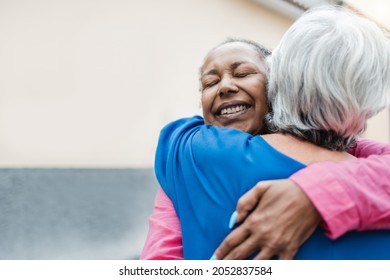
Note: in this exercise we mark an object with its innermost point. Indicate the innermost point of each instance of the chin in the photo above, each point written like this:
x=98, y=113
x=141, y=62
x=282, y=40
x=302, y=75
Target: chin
x=244, y=129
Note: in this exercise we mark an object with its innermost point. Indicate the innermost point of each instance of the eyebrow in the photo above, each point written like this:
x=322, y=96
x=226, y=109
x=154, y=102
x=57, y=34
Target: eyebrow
x=236, y=64
x=211, y=72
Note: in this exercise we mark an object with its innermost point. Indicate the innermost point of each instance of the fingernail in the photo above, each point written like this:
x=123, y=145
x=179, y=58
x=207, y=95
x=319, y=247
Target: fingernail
x=233, y=220
x=213, y=258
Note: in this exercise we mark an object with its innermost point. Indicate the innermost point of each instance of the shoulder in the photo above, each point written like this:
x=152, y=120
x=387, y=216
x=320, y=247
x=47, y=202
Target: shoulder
x=195, y=132
x=192, y=138
x=183, y=125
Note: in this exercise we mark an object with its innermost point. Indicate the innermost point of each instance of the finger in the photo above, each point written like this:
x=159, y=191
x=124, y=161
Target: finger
x=235, y=238
x=243, y=250
x=266, y=253
x=287, y=254
x=250, y=199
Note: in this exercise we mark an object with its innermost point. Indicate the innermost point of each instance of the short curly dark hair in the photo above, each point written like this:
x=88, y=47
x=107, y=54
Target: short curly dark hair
x=260, y=49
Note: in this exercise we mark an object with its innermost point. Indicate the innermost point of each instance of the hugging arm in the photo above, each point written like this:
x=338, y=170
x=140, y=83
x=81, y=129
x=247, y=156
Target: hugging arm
x=370, y=165
x=352, y=195
x=164, y=241
x=276, y=219
x=186, y=146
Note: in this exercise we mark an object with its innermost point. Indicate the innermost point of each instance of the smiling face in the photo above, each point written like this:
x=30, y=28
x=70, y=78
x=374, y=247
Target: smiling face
x=233, y=88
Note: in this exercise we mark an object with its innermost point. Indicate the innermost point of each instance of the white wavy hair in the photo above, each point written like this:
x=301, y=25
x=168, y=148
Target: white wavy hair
x=328, y=75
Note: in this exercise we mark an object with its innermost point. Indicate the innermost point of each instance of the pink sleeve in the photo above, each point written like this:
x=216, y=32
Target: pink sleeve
x=366, y=148
x=354, y=194
x=164, y=240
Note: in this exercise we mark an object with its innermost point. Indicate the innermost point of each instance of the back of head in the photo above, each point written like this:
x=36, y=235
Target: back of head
x=328, y=75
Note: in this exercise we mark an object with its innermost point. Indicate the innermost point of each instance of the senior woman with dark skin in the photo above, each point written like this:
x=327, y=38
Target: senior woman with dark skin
x=223, y=113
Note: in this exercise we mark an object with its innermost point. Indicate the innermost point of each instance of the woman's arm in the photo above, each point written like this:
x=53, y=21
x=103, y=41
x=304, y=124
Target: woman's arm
x=352, y=195
x=366, y=147
x=164, y=241
x=349, y=195
x=374, y=164
x=202, y=152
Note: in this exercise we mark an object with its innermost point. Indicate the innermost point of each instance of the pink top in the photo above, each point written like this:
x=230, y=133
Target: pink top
x=358, y=198
x=358, y=192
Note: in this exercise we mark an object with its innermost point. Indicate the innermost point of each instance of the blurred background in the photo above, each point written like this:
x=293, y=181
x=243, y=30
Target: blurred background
x=86, y=86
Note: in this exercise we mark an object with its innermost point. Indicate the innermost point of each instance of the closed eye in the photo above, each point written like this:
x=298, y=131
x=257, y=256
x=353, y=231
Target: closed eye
x=243, y=74
x=210, y=84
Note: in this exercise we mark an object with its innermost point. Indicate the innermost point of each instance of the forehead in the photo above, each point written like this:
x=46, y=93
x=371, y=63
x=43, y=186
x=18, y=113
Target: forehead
x=233, y=52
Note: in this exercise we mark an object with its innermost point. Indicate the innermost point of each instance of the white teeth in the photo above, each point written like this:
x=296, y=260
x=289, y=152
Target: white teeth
x=232, y=110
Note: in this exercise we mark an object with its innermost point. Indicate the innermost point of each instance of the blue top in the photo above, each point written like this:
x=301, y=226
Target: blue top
x=204, y=170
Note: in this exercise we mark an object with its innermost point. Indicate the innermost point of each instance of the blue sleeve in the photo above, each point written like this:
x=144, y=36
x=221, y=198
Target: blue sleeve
x=190, y=150
x=188, y=145
x=173, y=137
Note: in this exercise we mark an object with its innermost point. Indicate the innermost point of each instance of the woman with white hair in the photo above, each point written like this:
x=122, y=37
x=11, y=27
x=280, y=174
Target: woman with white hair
x=328, y=75
x=201, y=166
x=324, y=81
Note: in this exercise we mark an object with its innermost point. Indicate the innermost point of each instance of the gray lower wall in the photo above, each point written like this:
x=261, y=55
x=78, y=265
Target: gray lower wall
x=74, y=213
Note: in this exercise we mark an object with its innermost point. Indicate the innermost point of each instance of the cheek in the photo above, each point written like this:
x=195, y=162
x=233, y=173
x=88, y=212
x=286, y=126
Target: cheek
x=203, y=103
x=206, y=102
x=261, y=106
x=206, y=108
x=261, y=100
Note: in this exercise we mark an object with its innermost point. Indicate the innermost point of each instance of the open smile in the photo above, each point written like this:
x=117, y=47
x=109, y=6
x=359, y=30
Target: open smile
x=232, y=110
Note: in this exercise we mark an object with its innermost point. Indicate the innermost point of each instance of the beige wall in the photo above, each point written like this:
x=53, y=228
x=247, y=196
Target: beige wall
x=91, y=82
x=378, y=127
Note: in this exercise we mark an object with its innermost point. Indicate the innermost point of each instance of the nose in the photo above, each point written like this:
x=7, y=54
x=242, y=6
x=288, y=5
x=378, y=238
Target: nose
x=227, y=86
